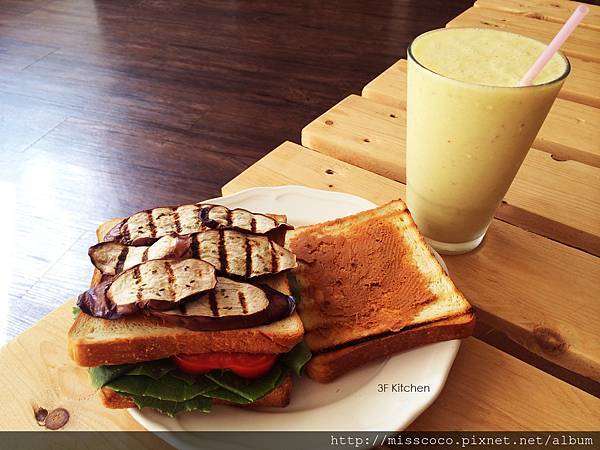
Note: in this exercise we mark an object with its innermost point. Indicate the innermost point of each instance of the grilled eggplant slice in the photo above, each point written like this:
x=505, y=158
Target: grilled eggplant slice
x=162, y=283
x=230, y=305
x=222, y=218
x=112, y=258
x=146, y=227
x=241, y=254
x=231, y=252
x=158, y=284
x=94, y=302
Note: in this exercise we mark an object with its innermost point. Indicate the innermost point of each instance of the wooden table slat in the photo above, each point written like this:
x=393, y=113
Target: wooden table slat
x=583, y=83
x=558, y=199
x=581, y=143
x=583, y=43
x=548, y=10
x=520, y=283
x=488, y=390
x=582, y=140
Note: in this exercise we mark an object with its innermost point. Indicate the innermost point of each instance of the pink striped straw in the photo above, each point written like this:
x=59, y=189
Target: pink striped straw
x=556, y=43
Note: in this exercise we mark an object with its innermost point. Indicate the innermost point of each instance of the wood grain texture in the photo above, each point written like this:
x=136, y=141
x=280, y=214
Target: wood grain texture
x=110, y=107
x=521, y=283
x=389, y=87
x=582, y=43
x=583, y=83
x=550, y=10
x=364, y=133
x=487, y=401
x=583, y=138
x=558, y=199
x=37, y=372
x=581, y=143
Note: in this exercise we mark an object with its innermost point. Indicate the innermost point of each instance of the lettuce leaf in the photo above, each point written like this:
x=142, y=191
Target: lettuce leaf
x=165, y=388
x=249, y=389
x=297, y=358
x=224, y=394
x=170, y=408
x=153, y=369
x=102, y=375
x=189, y=378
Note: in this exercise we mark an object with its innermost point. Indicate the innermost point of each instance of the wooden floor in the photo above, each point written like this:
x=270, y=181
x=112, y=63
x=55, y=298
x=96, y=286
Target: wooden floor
x=107, y=108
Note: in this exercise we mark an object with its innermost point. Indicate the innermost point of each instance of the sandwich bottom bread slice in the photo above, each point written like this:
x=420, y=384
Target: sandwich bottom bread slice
x=139, y=361
x=369, y=286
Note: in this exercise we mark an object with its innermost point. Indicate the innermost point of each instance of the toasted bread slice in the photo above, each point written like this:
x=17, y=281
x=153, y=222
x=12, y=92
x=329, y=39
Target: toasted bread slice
x=326, y=367
x=365, y=281
x=94, y=342
x=279, y=397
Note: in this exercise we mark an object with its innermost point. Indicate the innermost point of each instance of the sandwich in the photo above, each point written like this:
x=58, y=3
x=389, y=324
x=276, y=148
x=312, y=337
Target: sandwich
x=197, y=305
x=190, y=306
x=370, y=286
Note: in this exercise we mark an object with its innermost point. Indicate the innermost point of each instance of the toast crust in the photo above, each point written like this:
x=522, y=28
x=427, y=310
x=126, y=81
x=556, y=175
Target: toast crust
x=326, y=367
x=138, y=339
x=279, y=397
x=279, y=337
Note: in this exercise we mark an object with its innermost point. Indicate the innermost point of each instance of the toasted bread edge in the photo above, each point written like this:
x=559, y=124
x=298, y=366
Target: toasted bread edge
x=328, y=366
x=147, y=348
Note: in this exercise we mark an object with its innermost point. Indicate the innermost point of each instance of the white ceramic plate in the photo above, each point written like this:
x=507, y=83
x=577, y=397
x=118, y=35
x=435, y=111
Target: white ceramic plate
x=353, y=401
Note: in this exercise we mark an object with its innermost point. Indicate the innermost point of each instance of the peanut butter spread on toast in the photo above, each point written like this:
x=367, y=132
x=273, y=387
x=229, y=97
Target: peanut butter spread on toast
x=359, y=282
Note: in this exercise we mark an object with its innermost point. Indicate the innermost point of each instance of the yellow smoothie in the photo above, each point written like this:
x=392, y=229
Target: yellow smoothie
x=469, y=127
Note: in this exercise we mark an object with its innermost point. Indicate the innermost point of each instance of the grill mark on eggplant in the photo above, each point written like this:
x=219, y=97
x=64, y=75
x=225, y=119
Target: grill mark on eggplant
x=170, y=279
x=177, y=220
x=248, y=245
x=195, y=247
x=223, y=252
x=151, y=224
x=204, y=212
x=125, y=232
x=274, y=259
x=278, y=307
x=212, y=300
x=121, y=260
x=137, y=276
x=253, y=225
x=243, y=304
x=145, y=255
x=228, y=217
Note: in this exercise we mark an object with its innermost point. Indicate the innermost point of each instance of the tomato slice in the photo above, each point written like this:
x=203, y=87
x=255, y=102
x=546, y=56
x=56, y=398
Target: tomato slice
x=247, y=365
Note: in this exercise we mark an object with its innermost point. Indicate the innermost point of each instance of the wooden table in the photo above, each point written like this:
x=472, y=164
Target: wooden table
x=534, y=362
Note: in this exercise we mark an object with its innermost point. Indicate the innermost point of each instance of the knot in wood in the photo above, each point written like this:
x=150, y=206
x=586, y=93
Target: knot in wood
x=549, y=340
